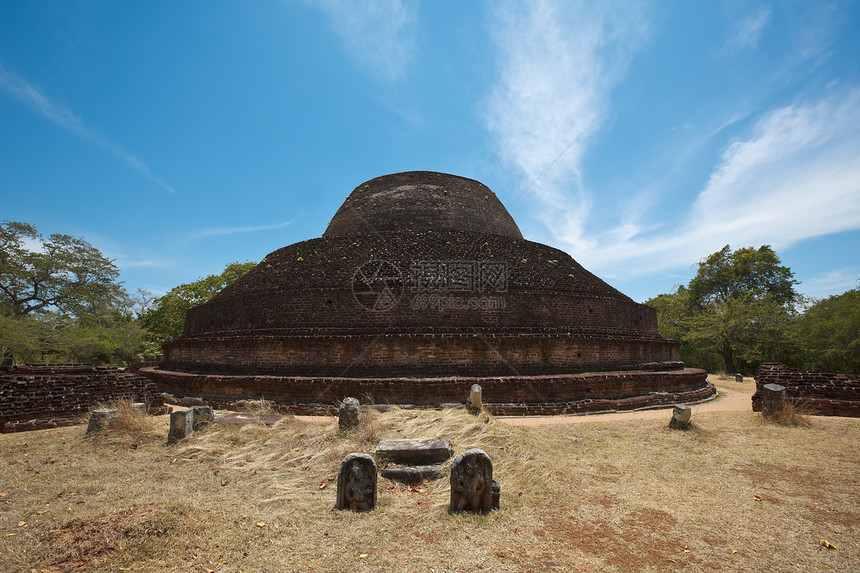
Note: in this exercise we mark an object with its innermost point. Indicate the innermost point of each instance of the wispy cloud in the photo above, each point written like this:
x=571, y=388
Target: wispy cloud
x=748, y=30
x=838, y=280
x=376, y=33
x=20, y=89
x=218, y=231
x=559, y=61
x=793, y=177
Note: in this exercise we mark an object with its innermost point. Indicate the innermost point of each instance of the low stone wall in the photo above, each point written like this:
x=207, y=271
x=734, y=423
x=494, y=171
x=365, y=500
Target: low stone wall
x=39, y=396
x=818, y=392
x=504, y=395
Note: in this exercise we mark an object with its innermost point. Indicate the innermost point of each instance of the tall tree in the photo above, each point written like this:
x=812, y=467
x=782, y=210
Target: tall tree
x=737, y=307
x=167, y=316
x=61, y=273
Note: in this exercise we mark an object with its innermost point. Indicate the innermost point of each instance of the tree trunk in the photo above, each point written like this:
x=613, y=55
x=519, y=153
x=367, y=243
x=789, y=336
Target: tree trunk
x=728, y=358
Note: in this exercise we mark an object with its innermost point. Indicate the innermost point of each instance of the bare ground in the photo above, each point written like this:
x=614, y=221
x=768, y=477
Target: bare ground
x=735, y=493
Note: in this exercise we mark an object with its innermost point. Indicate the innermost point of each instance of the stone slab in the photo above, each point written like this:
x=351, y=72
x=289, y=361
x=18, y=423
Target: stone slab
x=414, y=452
x=413, y=474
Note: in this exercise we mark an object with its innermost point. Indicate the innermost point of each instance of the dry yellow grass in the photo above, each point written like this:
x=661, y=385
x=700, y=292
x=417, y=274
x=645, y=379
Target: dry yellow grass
x=737, y=494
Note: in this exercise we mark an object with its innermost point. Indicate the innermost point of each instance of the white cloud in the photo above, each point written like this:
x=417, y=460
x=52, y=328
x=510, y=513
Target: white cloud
x=23, y=91
x=377, y=33
x=795, y=176
x=218, y=231
x=559, y=61
x=835, y=281
x=748, y=30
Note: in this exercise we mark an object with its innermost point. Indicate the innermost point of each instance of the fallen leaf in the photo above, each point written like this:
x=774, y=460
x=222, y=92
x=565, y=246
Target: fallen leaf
x=22, y=524
x=362, y=556
x=260, y=524
x=225, y=482
x=41, y=511
x=823, y=543
x=734, y=551
x=757, y=497
x=3, y=494
x=323, y=485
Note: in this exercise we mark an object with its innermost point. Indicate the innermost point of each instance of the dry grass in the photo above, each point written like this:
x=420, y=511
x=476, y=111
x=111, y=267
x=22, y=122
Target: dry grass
x=734, y=494
x=792, y=414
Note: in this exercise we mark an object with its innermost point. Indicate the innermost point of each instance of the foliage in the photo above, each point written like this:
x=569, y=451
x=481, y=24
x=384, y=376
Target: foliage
x=60, y=300
x=829, y=334
x=736, y=309
x=62, y=273
x=167, y=315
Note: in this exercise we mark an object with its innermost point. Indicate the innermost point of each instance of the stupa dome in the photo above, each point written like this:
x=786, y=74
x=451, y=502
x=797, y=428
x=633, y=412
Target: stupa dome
x=421, y=286
x=422, y=201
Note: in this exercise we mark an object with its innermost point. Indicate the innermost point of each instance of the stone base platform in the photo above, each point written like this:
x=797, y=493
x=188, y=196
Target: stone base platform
x=504, y=395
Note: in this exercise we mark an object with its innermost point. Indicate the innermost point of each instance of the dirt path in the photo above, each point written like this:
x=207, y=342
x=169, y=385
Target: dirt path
x=731, y=399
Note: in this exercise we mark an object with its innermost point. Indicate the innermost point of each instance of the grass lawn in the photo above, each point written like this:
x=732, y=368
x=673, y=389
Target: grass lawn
x=735, y=493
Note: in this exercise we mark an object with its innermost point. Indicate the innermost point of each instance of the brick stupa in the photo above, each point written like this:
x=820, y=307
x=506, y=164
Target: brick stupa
x=421, y=286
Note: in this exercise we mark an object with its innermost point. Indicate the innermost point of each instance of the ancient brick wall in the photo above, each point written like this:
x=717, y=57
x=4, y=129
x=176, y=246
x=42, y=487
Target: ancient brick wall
x=818, y=392
x=515, y=395
x=38, y=396
x=467, y=352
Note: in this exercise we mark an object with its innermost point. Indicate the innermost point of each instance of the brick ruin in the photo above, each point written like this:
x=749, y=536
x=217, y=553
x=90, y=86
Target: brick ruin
x=422, y=285
x=39, y=396
x=817, y=392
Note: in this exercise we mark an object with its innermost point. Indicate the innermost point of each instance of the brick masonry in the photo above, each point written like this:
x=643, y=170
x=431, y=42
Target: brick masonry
x=503, y=395
x=820, y=393
x=304, y=327
x=39, y=396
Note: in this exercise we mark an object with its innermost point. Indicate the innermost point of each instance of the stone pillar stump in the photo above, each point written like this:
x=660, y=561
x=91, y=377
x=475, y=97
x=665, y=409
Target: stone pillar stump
x=773, y=399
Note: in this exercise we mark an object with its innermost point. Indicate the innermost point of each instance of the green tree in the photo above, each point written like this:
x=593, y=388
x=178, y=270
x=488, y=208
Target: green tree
x=167, y=316
x=829, y=334
x=61, y=273
x=60, y=300
x=737, y=308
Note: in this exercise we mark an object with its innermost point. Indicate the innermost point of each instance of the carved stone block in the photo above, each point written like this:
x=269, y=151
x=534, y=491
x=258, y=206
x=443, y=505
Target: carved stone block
x=471, y=482
x=413, y=474
x=202, y=417
x=356, y=483
x=414, y=452
x=181, y=425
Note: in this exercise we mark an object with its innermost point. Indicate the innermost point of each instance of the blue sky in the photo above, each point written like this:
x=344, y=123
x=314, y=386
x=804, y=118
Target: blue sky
x=639, y=137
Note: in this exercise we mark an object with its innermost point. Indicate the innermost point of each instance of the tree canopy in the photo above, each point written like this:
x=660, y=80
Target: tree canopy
x=829, y=334
x=60, y=300
x=60, y=273
x=735, y=308
x=167, y=315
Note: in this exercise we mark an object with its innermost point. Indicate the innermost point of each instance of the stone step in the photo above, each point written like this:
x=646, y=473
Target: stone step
x=413, y=474
x=414, y=452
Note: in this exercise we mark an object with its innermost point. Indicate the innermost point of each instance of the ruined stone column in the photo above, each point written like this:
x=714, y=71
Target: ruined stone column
x=681, y=415
x=773, y=399
x=475, y=398
x=181, y=425
x=100, y=419
x=348, y=414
